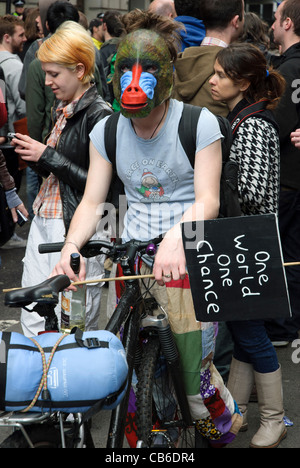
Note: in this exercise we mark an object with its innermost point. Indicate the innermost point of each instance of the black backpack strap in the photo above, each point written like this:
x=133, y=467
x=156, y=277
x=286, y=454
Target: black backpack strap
x=226, y=142
x=187, y=130
x=110, y=141
x=110, y=137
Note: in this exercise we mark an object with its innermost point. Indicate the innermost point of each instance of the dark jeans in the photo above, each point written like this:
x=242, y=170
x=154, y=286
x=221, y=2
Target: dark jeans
x=223, y=350
x=252, y=345
x=289, y=227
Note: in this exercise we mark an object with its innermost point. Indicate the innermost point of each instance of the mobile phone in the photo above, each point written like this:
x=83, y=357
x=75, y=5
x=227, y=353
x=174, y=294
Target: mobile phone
x=21, y=218
x=11, y=135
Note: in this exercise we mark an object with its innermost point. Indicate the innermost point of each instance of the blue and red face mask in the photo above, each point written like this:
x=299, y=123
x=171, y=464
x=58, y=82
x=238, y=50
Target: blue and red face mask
x=143, y=73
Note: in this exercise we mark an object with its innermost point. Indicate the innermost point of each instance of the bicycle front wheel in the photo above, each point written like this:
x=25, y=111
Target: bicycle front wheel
x=158, y=417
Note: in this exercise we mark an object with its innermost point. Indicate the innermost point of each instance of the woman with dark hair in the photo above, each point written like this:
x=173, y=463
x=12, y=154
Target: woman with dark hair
x=32, y=28
x=256, y=32
x=242, y=79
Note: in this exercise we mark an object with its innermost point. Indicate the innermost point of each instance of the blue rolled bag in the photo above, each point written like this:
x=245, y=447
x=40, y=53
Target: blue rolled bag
x=70, y=373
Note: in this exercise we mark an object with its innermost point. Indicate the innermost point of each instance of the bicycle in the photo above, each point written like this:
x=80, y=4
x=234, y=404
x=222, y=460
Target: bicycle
x=162, y=417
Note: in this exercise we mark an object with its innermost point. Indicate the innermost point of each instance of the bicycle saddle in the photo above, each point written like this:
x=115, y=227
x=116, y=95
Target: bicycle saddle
x=43, y=293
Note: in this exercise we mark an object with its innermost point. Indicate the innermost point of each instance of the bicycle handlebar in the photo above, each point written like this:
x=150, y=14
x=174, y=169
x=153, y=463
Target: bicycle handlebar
x=96, y=247
x=90, y=249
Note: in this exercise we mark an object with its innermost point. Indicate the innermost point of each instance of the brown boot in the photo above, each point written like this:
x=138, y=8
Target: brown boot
x=272, y=428
x=240, y=384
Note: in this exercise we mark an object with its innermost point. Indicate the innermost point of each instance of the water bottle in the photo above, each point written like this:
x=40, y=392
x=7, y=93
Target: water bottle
x=73, y=303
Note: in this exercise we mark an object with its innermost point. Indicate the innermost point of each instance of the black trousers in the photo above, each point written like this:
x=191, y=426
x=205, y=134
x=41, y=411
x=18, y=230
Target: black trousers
x=289, y=227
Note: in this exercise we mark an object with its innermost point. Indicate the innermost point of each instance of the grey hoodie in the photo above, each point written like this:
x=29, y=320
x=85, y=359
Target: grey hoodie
x=193, y=70
x=16, y=107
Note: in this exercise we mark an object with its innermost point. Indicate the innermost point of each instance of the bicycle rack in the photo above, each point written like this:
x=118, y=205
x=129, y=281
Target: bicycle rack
x=19, y=420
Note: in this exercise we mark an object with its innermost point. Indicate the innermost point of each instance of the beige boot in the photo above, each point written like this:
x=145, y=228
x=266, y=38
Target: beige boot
x=240, y=384
x=272, y=428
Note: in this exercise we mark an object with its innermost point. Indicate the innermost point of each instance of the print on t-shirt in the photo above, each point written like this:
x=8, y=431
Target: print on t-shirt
x=150, y=187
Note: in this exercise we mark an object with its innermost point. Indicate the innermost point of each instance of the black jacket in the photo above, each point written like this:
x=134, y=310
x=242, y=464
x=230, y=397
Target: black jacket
x=69, y=161
x=287, y=115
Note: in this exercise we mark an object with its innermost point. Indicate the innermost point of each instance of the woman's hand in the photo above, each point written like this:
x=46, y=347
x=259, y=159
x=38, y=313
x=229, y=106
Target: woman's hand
x=63, y=266
x=170, y=263
x=295, y=138
x=27, y=148
x=21, y=208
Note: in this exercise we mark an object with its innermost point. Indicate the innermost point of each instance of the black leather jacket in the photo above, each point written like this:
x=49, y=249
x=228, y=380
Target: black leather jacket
x=69, y=161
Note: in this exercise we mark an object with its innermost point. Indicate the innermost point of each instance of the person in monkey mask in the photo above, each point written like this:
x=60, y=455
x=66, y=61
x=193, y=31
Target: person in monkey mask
x=149, y=154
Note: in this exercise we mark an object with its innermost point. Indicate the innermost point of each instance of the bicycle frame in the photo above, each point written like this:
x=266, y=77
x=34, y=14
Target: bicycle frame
x=132, y=307
x=130, y=338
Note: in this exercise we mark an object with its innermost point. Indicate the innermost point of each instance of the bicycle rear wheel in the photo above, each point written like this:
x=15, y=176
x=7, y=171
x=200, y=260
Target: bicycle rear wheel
x=41, y=436
x=47, y=436
x=158, y=416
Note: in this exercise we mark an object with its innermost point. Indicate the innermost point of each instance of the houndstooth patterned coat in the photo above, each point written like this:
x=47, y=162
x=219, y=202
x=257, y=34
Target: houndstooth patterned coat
x=256, y=149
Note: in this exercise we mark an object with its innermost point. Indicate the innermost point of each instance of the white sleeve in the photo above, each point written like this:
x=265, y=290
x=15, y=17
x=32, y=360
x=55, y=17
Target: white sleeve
x=208, y=129
x=97, y=138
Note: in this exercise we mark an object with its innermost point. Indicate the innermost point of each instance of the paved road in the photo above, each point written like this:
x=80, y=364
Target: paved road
x=10, y=277
x=289, y=357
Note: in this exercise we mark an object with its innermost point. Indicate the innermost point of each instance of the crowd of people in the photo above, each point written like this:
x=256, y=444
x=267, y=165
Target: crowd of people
x=66, y=77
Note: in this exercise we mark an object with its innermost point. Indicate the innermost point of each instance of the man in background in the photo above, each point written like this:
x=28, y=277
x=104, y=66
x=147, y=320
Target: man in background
x=12, y=39
x=163, y=8
x=189, y=14
x=224, y=23
x=19, y=8
x=95, y=28
x=286, y=31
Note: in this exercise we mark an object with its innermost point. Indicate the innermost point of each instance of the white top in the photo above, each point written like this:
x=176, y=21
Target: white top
x=157, y=175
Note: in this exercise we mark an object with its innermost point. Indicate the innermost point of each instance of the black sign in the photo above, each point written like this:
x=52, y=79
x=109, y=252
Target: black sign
x=236, y=269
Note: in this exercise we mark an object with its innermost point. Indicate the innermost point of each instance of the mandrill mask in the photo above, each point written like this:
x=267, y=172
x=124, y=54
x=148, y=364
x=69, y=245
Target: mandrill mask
x=143, y=76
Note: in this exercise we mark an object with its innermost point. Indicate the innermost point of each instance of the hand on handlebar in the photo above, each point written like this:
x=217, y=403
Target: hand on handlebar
x=170, y=262
x=63, y=266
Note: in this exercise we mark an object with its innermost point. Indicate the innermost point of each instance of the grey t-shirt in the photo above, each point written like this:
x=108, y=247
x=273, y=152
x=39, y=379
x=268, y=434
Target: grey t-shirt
x=157, y=175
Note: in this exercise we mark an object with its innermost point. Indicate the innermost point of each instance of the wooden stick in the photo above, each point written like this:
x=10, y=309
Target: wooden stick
x=124, y=278
x=99, y=280
x=291, y=264
x=119, y=278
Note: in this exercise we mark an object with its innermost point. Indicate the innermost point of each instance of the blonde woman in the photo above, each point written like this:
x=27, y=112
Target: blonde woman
x=68, y=60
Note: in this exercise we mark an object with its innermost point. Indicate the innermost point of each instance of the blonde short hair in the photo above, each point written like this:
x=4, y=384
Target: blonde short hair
x=69, y=45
